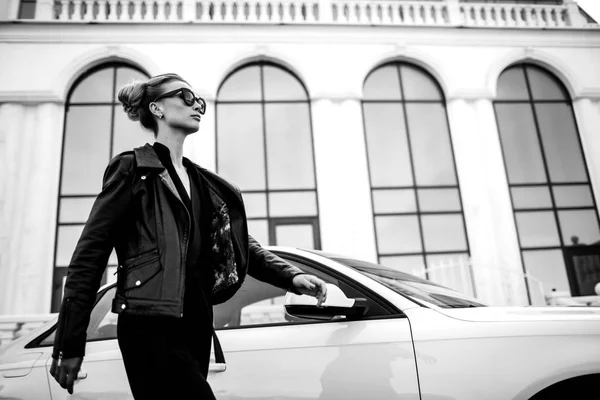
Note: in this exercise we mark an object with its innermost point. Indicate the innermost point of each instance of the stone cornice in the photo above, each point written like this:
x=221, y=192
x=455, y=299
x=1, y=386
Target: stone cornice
x=30, y=97
x=170, y=32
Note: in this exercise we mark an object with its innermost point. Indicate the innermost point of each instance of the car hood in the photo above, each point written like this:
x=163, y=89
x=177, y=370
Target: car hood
x=515, y=314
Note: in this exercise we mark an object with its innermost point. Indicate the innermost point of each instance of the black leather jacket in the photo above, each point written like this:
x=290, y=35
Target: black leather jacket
x=140, y=214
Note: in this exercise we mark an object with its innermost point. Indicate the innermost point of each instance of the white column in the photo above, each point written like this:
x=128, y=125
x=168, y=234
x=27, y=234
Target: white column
x=32, y=150
x=9, y=9
x=587, y=114
x=345, y=210
x=488, y=211
x=44, y=10
x=201, y=146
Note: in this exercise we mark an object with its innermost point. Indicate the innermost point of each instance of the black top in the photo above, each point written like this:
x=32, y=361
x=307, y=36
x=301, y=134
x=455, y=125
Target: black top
x=199, y=278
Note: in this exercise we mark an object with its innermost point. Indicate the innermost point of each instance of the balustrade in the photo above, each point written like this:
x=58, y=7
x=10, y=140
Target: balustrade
x=340, y=12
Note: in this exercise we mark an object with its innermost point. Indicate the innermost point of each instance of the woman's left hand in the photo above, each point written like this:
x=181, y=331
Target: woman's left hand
x=311, y=286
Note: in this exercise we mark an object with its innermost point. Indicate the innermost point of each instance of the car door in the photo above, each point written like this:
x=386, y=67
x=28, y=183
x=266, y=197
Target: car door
x=271, y=355
x=102, y=374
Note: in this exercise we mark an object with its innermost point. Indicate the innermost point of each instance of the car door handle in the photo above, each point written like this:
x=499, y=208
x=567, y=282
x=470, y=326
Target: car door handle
x=81, y=374
x=217, y=367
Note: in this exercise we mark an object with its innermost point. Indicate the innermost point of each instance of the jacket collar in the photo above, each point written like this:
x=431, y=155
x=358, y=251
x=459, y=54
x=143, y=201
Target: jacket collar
x=146, y=157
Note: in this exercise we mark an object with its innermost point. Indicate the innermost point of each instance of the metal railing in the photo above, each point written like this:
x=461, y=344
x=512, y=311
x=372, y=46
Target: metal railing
x=342, y=12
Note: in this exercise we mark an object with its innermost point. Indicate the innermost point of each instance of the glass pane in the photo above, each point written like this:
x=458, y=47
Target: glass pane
x=128, y=134
x=244, y=84
x=443, y=232
x=259, y=230
x=418, y=85
x=544, y=86
x=537, y=229
x=281, y=85
x=547, y=267
x=86, y=149
x=387, y=146
x=65, y=246
x=300, y=236
x=127, y=75
x=586, y=268
x=439, y=200
x=579, y=227
x=96, y=88
x=27, y=10
x=289, y=146
x=398, y=200
x=75, y=210
x=240, y=147
x=573, y=196
x=293, y=204
x=113, y=259
x=451, y=270
x=531, y=197
x=561, y=142
x=413, y=265
x=520, y=143
x=255, y=204
x=398, y=234
x=512, y=85
x=383, y=84
x=430, y=143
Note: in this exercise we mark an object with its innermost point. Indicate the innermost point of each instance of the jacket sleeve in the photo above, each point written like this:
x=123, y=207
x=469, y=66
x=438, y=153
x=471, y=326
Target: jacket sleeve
x=90, y=258
x=270, y=268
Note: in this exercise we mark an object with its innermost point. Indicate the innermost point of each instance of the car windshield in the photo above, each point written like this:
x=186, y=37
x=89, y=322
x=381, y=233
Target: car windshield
x=418, y=289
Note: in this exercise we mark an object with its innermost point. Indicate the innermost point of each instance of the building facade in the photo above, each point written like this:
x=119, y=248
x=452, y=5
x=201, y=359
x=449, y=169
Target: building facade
x=455, y=140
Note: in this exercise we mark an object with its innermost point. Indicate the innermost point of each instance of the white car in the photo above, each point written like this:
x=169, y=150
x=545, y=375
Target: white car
x=382, y=335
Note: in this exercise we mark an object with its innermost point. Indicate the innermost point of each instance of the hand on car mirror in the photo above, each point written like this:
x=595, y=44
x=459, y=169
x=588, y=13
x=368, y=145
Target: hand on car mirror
x=311, y=286
x=65, y=371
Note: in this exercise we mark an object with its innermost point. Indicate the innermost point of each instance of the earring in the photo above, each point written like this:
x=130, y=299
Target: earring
x=160, y=116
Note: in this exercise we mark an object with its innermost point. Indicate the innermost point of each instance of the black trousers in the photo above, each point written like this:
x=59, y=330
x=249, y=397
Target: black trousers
x=166, y=358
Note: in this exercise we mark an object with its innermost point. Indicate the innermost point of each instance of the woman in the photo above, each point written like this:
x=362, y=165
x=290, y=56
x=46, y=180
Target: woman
x=180, y=234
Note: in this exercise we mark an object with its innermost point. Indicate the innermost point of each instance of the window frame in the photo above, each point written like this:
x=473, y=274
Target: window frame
x=371, y=295
x=60, y=272
x=273, y=221
x=548, y=184
x=402, y=101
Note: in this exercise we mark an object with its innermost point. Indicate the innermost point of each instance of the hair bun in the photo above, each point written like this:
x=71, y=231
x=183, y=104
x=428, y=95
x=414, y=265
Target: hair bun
x=131, y=96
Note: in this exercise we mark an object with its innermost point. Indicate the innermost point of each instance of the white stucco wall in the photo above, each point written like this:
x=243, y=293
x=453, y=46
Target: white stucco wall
x=45, y=59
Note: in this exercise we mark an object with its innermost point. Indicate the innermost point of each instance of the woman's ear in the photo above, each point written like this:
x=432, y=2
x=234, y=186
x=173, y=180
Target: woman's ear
x=155, y=109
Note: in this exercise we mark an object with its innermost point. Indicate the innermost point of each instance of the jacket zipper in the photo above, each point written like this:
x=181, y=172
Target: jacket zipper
x=184, y=256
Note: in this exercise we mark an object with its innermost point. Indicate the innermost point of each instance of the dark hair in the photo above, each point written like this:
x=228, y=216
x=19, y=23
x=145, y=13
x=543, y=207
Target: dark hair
x=137, y=96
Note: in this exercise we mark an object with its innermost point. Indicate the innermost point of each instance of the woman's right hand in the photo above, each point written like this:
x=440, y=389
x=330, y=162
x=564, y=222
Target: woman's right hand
x=65, y=371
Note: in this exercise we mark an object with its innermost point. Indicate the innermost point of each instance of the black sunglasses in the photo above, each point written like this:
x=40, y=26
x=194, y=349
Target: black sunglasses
x=188, y=97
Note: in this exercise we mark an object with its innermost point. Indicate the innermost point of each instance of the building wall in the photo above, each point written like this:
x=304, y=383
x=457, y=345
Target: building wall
x=332, y=62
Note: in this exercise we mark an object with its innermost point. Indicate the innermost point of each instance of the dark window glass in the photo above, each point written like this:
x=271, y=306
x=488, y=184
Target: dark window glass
x=243, y=85
x=522, y=153
x=560, y=142
x=547, y=176
x=416, y=200
x=289, y=146
x=96, y=129
x=433, y=160
x=241, y=149
x=265, y=145
x=27, y=9
x=387, y=145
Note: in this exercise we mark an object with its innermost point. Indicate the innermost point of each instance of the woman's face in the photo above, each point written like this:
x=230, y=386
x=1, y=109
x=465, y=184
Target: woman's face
x=176, y=113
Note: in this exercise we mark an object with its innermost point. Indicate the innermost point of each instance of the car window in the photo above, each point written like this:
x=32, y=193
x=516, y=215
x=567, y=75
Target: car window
x=258, y=303
x=103, y=323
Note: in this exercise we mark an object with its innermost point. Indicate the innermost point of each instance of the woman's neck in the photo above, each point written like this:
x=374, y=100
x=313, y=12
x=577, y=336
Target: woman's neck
x=175, y=145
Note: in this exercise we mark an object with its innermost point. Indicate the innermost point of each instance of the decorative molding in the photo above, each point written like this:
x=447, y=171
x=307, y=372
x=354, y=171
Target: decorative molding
x=592, y=93
x=31, y=97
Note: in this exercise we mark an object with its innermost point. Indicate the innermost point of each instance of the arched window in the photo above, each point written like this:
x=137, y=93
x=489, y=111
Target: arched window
x=417, y=204
x=554, y=207
x=265, y=145
x=95, y=130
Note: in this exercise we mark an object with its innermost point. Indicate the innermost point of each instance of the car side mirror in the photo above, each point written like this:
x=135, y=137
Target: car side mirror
x=336, y=305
